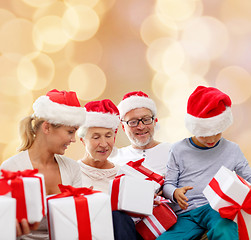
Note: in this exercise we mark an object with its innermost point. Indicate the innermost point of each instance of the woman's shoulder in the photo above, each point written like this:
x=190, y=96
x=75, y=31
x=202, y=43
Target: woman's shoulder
x=20, y=161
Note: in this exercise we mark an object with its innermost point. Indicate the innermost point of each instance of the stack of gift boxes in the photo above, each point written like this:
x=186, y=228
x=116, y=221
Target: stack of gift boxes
x=133, y=190
x=76, y=213
x=83, y=213
x=22, y=197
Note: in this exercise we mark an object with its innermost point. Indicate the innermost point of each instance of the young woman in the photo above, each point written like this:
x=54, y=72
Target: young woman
x=45, y=135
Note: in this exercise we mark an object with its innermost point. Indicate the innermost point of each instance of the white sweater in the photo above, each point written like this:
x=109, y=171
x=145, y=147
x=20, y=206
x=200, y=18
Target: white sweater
x=98, y=178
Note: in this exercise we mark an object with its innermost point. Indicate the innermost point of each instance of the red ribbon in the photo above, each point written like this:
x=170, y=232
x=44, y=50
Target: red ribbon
x=81, y=206
x=17, y=189
x=115, y=192
x=137, y=165
x=9, y=175
x=4, y=187
x=230, y=212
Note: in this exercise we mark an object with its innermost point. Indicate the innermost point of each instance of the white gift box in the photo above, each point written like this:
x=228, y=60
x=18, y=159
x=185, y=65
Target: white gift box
x=8, y=218
x=34, y=191
x=134, y=195
x=234, y=188
x=63, y=217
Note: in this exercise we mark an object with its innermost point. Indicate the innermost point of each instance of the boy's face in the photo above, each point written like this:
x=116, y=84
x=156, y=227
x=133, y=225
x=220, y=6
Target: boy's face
x=207, y=141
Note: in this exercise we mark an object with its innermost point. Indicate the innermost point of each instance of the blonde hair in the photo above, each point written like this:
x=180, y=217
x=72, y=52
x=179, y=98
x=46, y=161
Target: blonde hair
x=28, y=129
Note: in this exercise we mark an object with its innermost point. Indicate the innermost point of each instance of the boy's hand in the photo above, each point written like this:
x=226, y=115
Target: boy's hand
x=179, y=195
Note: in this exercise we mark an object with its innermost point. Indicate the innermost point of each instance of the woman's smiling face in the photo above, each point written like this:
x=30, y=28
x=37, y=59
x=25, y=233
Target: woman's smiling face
x=99, y=143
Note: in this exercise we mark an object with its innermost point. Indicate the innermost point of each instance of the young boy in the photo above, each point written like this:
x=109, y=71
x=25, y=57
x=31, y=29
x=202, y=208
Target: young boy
x=194, y=162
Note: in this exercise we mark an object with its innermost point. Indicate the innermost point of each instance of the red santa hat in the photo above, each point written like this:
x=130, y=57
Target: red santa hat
x=208, y=112
x=133, y=100
x=60, y=107
x=102, y=113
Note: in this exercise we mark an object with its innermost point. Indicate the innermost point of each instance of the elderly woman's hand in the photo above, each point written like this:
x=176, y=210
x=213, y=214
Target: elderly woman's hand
x=24, y=227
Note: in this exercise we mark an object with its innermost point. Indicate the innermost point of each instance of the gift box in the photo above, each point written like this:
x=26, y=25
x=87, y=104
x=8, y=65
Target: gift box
x=136, y=169
x=80, y=213
x=153, y=226
x=28, y=188
x=230, y=195
x=8, y=218
x=132, y=195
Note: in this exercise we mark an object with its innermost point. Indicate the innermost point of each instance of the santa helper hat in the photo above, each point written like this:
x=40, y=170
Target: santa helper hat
x=133, y=100
x=60, y=107
x=102, y=113
x=208, y=112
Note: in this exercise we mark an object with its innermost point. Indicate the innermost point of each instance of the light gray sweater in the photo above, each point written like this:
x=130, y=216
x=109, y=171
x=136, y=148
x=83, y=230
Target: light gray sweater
x=195, y=167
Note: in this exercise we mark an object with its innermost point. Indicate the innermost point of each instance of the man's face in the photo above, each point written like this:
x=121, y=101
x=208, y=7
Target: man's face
x=140, y=136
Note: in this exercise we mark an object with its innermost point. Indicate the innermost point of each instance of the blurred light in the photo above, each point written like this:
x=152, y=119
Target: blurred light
x=233, y=26
x=39, y=3
x=20, y=8
x=156, y=53
x=80, y=22
x=103, y=7
x=10, y=149
x=178, y=10
x=77, y=52
x=12, y=110
x=232, y=9
x=152, y=28
x=48, y=34
x=243, y=140
x=8, y=75
x=173, y=58
x=172, y=129
x=36, y=71
x=177, y=89
x=16, y=37
x=196, y=66
x=236, y=82
x=158, y=82
x=5, y=16
x=89, y=3
x=56, y=9
x=205, y=38
x=236, y=15
x=88, y=80
x=175, y=93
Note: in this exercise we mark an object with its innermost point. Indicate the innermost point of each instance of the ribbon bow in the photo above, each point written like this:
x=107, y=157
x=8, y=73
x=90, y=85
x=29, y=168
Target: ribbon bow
x=81, y=207
x=234, y=210
x=9, y=175
x=68, y=190
x=149, y=173
x=16, y=187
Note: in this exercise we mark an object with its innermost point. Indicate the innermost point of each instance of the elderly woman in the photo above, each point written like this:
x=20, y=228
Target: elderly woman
x=98, y=136
x=45, y=135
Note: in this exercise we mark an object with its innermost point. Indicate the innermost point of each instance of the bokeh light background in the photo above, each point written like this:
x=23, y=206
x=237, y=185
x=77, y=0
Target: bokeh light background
x=105, y=48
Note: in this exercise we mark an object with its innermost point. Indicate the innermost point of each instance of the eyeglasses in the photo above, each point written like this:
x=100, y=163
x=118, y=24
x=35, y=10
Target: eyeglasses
x=135, y=122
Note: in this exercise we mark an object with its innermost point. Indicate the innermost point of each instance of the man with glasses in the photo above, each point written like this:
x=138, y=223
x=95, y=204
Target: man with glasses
x=139, y=121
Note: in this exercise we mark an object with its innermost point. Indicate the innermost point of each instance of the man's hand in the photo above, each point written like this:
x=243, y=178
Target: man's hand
x=24, y=227
x=179, y=196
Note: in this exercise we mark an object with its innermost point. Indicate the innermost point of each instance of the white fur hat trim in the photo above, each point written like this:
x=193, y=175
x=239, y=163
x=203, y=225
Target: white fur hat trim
x=134, y=102
x=98, y=119
x=56, y=113
x=204, y=127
